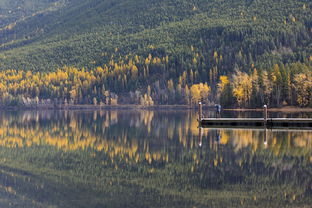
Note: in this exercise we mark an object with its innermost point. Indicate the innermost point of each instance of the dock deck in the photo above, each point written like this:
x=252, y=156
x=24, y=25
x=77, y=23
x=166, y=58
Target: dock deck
x=245, y=122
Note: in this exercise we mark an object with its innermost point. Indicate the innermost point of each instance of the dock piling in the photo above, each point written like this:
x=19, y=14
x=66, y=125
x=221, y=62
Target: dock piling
x=200, y=110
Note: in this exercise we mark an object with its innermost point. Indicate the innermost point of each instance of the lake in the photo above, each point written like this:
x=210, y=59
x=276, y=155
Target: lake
x=141, y=158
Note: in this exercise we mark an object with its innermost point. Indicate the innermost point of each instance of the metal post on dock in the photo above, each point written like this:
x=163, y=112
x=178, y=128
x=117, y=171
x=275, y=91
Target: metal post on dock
x=200, y=111
x=265, y=115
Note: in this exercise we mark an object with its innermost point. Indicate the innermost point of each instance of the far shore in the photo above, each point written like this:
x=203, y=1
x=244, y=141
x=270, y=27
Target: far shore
x=287, y=109
x=96, y=107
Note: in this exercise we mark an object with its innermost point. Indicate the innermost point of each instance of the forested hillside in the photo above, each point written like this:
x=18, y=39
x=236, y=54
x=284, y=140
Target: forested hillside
x=239, y=52
x=19, y=10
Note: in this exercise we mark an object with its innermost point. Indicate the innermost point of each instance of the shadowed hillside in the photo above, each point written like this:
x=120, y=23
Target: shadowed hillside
x=243, y=31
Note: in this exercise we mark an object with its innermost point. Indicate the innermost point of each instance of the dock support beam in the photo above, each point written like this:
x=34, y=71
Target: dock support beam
x=200, y=111
x=265, y=115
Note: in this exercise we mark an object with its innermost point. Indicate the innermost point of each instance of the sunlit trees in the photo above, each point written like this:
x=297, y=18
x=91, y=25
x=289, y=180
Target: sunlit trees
x=290, y=84
x=146, y=100
x=155, y=80
x=134, y=72
x=303, y=88
x=195, y=93
x=242, y=88
x=199, y=92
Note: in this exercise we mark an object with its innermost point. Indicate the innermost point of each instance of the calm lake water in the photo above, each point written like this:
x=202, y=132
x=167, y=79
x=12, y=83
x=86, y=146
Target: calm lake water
x=132, y=158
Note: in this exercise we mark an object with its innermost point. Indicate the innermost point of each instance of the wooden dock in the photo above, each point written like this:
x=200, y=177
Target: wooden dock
x=254, y=122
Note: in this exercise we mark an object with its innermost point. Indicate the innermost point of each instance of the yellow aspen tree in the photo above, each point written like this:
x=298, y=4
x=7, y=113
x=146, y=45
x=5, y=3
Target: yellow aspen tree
x=195, y=93
x=184, y=78
x=73, y=94
x=149, y=90
x=204, y=91
x=94, y=101
x=170, y=86
x=224, y=80
x=215, y=55
x=179, y=89
x=137, y=59
x=134, y=72
x=242, y=88
x=303, y=88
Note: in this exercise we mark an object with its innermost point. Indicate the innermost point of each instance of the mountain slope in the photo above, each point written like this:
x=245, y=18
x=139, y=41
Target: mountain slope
x=17, y=10
x=243, y=31
x=160, y=51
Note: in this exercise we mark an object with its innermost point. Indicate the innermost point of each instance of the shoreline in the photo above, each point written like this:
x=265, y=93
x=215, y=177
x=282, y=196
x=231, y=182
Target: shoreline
x=287, y=109
x=98, y=107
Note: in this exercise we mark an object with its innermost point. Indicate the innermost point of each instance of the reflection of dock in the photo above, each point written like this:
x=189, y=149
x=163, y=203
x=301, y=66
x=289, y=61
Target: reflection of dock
x=258, y=122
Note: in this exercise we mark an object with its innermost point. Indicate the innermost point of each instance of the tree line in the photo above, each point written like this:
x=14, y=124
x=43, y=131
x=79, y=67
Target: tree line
x=151, y=80
x=278, y=86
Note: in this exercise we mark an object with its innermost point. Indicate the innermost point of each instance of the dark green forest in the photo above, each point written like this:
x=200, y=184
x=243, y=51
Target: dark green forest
x=174, y=45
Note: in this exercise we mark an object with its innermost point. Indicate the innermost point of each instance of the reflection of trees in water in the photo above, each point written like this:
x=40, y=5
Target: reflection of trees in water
x=166, y=145
x=208, y=158
x=244, y=157
x=146, y=136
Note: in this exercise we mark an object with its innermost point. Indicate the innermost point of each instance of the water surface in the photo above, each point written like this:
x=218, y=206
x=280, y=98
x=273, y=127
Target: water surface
x=148, y=159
